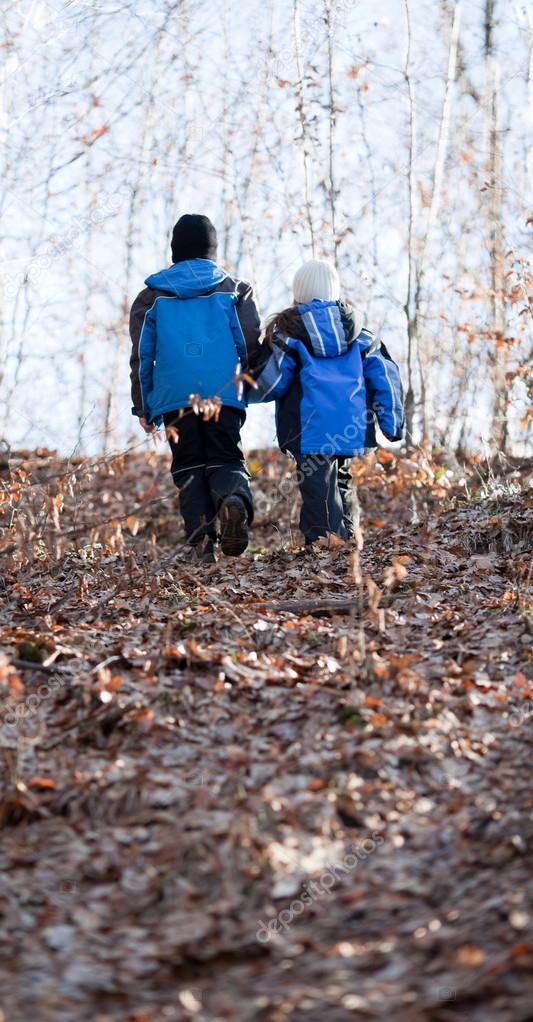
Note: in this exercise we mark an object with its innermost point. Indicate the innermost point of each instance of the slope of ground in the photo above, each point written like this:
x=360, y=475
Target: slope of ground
x=218, y=805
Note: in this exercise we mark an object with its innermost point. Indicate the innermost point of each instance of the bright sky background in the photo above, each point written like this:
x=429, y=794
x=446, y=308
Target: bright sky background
x=119, y=117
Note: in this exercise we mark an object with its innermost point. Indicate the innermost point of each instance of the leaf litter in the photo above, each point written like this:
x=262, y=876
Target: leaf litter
x=186, y=749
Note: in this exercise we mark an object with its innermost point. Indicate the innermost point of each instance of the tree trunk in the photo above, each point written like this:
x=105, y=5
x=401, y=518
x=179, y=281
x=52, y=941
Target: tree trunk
x=304, y=125
x=411, y=264
x=332, y=120
x=495, y=236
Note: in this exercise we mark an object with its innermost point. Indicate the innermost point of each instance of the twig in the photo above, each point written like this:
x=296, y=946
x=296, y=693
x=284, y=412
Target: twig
x=34, y=666
x=98, y=718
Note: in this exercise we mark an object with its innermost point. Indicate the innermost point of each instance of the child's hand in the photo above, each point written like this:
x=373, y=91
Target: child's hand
x=147, y=426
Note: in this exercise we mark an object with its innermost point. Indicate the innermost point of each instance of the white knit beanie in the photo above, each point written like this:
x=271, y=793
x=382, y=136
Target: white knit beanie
x=316, y=279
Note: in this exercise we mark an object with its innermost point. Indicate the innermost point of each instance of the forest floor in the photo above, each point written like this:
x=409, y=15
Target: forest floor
x=217, y=808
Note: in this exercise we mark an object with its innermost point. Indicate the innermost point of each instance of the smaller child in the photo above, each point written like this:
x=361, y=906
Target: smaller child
x=330, y=379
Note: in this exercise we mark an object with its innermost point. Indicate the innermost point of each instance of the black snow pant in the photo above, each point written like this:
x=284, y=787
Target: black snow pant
x=207, y=467
x=326, y=488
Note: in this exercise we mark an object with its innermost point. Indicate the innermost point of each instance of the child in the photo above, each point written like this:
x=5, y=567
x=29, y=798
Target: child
x=190, y=328
x=329, y=378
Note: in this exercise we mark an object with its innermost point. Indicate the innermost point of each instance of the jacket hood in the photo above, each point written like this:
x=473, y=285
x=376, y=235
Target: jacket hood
x=188, y=279
x=329, y=328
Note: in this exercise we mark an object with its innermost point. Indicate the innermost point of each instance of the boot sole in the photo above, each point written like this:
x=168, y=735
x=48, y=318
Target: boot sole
x=234, y=530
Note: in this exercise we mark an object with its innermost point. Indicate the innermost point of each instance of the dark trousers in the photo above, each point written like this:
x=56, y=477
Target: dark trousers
x=326, y=488
x=207, y=467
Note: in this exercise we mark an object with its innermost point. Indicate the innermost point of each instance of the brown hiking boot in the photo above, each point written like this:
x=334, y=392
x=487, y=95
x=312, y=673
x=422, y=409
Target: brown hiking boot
x=233, y=527
x=203, y=553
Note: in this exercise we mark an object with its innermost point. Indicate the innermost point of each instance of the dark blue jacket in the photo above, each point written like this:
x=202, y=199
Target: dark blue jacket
x=330, y=385
x=190, y=328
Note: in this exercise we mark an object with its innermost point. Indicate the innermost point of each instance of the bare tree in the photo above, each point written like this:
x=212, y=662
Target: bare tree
x=286, y=127
x=410, y=400
x=304, y=123
x=495, y=230
x=332, y=120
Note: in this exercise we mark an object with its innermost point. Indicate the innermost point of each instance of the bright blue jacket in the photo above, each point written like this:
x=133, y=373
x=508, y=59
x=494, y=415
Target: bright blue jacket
x=190, y=328
x=330, y=383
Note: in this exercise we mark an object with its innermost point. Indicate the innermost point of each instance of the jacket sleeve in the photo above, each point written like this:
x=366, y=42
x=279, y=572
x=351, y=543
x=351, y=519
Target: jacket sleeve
x=248, y=322
x=383, y=385
x=275, y=376
x=143, y=336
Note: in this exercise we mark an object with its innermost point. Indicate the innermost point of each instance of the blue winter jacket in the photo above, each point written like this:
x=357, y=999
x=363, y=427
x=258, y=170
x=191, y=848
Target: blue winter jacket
x=330, y=383
x=190, y=328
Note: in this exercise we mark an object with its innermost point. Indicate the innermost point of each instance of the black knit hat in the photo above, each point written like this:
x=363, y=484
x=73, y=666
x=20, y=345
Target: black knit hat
x=194, y=237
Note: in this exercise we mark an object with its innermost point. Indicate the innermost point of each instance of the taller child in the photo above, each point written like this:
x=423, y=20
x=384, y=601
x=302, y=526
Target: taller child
x=189, y=328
